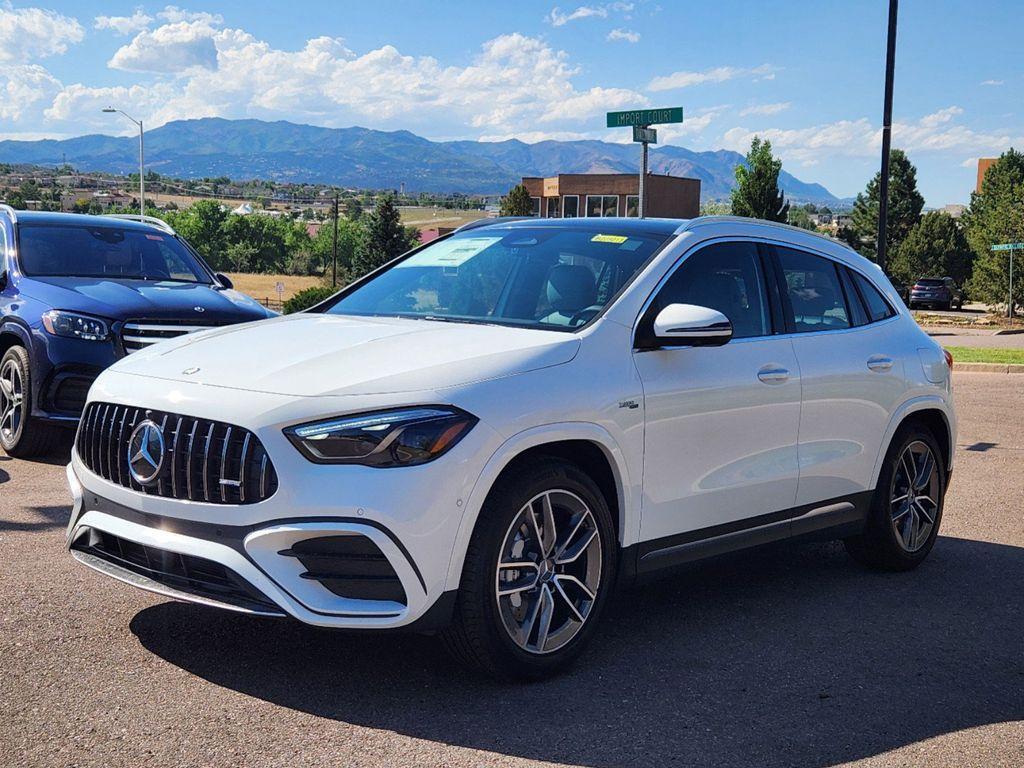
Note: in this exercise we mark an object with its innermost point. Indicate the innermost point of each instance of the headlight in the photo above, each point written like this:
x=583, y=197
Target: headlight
x=398, y=438
x=75, y=326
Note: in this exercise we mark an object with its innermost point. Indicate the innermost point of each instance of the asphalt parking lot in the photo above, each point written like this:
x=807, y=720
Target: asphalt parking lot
x=785, y=656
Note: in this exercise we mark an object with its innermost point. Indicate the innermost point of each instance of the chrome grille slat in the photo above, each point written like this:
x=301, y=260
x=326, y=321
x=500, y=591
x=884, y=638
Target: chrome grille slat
x=228, y=457
x=139, y=334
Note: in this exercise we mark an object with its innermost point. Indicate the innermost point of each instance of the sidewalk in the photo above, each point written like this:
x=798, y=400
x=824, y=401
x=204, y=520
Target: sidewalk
x=952, y=336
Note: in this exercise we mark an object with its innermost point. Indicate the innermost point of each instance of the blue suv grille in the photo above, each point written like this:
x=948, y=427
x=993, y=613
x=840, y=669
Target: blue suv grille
x=202, y=460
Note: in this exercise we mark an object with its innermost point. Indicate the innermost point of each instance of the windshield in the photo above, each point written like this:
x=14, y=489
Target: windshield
x=539, y=277
x=105, y=252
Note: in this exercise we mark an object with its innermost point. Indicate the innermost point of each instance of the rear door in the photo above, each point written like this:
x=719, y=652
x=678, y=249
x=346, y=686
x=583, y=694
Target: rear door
x=850, y=367
x=720, y=438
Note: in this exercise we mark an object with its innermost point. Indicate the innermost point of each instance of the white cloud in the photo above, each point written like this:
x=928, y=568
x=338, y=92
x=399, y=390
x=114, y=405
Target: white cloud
x=559, y=18
x=626, y=35
x=716, y=75
x=173, y=15
x=173, y=47
x=992, y=82
x=766, y=109
x=935, y=132
x=27, y=33
x=693, y=124
x=124, y=25
x=24, y=87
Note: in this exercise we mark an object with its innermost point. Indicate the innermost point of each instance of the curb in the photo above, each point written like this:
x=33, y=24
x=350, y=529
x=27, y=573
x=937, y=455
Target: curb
x=1008, y=331
x=987, y=367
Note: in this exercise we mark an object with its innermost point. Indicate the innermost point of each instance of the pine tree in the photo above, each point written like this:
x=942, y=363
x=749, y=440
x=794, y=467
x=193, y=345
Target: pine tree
x=517, y=202
x=996, y=215
x=905, y=204
x=385, y=237
x=757, y=194
x=934, y=247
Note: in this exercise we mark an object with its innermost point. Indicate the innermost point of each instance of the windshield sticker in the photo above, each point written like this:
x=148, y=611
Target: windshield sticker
x=449, y=253
x=617, y=239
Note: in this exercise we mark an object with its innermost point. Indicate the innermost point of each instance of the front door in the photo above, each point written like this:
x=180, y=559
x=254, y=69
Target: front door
x=720, y=442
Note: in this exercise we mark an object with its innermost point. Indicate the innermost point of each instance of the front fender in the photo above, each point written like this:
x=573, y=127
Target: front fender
x=628, y=490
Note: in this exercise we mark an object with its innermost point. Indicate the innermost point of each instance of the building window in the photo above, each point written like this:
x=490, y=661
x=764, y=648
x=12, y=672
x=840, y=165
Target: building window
x=536, y=206
x=570, y=206
x=602, y=205
x=552, y=212
x=633, y=205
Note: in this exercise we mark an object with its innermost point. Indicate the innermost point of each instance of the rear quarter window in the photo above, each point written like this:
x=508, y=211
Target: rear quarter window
x=878, y=308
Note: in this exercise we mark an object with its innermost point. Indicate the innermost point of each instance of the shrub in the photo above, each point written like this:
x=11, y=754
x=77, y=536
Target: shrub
x=307, y=298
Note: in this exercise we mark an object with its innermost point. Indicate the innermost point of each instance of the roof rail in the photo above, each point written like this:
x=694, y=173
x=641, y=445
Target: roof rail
x=11, y=213
x=747, y=220
x=486, y=222
x=151, y=220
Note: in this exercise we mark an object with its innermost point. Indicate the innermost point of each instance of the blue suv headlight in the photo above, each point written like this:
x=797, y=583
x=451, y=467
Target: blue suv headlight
x=75, y=326
x=394, y=438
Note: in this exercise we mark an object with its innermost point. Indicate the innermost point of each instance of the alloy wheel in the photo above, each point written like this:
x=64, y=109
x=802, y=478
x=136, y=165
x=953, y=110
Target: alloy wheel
x=914, y=500
x=549, y=571
x=12, y=399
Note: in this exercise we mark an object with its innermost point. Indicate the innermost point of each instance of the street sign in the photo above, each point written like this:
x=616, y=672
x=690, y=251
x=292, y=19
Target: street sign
x=648, y=135
x=645, y=117
x=1008, y=247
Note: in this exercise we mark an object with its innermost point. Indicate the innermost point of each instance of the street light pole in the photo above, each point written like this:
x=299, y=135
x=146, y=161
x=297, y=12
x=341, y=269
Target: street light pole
x=142, y=162
x=890, y=65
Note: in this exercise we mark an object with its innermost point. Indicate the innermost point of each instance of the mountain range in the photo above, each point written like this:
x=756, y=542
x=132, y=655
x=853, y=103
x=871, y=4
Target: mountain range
x=365, y=158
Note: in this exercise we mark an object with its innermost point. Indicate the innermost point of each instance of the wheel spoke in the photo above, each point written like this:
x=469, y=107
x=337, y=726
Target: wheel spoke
x=506, y=588
x=904, y=509
x=924, y=513
x=526, y=628
x=550, y=532
x=568, y=601
x=569, y=578
x=925, y=471
x=547, y=612
x=7, y=388
x=908, y=468
x=573, y=554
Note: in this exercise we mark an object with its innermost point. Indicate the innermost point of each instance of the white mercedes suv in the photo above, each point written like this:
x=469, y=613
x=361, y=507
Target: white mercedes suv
x=487, y=434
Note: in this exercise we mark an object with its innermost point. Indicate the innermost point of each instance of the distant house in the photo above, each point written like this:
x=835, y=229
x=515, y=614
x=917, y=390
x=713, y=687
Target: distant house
x=954, y=209
x=432, y=233
x=570, y=195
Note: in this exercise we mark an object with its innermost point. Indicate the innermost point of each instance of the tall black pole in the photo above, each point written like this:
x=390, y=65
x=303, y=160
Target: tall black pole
x=334, y=245
x=890, y=64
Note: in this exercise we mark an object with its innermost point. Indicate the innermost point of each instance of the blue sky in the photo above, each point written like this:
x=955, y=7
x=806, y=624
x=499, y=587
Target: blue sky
x=806, y=75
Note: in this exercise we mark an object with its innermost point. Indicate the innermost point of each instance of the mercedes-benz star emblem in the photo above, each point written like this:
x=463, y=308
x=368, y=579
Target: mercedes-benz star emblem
x=146, y=452
x=199, y=309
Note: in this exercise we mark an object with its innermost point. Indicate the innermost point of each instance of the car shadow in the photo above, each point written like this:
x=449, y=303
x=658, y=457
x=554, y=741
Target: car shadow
x=792, y=655
x=47, y=518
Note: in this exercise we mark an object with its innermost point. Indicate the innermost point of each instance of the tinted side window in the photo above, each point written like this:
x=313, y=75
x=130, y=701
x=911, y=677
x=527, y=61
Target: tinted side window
x=815, y=295
x=858, y=313
x=878, y=307
x=726, y=277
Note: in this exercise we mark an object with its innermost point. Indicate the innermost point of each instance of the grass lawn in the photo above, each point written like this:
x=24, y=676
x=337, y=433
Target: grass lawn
x=425, y=218
x=261, y=287
x=983, y=355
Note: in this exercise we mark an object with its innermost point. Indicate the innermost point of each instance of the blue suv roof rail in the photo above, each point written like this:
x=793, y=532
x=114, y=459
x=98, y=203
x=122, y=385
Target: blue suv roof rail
x=152, y=220
x=11, y=213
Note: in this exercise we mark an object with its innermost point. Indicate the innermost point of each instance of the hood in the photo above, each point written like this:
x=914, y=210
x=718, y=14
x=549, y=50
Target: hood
x=124, y=299
x=313, y=355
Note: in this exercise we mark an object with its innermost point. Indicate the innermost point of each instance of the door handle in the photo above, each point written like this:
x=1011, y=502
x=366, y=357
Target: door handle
x=773, y=374
x=880, y=363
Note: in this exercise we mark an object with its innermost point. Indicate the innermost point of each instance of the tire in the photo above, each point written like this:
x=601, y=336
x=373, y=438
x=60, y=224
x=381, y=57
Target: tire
x=481, y=630
x=947, y=306
x=911, y=305
x=885, y=543
x=21, y=436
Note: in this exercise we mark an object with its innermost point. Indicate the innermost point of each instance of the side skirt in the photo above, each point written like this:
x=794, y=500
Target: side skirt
x=834, y=518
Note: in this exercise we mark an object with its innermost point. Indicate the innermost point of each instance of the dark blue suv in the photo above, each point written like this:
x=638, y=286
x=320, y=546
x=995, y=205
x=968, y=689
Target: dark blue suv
x=77, y=293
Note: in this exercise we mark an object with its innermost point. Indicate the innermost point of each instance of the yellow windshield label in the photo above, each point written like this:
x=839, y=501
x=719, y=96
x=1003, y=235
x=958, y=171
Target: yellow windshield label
x=617, y=239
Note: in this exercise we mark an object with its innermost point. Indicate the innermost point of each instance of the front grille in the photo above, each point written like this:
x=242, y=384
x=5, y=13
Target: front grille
x=186, y=573
x=139, y=334
x=349, y=566
x=203, y=460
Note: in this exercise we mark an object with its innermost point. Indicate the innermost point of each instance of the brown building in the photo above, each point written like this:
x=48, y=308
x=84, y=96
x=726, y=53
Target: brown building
x=984, y=163
x=569, y=195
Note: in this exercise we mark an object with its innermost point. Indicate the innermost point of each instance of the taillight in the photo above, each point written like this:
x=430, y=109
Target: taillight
x=949, y=358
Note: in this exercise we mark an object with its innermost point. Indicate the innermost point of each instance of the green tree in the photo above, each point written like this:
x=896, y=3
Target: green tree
x=353, y=209
x=385, y=237
x=996, y=215
x=801, y=217
x=203, y=225
x=517, y=202
x=350, y=236
x=757, y=194
x=905, y=204
x=934, y=247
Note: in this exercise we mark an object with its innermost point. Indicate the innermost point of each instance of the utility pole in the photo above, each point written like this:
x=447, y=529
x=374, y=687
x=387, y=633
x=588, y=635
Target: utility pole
x=334, y=243
x=142, y=164
x=643, y=177
x=890, y=65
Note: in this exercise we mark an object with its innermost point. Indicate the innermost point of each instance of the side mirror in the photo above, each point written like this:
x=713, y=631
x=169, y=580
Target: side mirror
x=224, y=280
x=688, y=325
